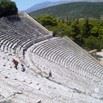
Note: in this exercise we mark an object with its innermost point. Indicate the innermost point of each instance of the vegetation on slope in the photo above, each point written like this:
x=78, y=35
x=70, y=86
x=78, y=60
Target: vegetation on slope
x=73, y=10
x=88, y=33
x=7, y=8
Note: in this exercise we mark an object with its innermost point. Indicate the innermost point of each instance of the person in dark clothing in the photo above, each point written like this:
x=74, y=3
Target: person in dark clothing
x=50, y=75
x=23, y=68
x=15, y=63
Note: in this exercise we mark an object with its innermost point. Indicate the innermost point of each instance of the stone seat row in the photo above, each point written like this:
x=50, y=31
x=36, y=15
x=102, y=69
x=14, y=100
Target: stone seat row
x=65, y=53
x=20, y=33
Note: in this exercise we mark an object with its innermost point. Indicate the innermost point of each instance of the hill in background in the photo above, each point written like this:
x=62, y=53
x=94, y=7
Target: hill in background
x=73, y=10
x=46, y=4
x=39, y=6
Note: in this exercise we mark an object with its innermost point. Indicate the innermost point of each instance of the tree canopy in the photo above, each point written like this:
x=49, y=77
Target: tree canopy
x=7, y=8
x=86, y=32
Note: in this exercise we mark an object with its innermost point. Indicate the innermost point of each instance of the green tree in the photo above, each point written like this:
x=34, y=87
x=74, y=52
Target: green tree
x=76, y=32
x=7, y=8
x=61, y=29
x=86, y=30
x=95, y=31
x=92, y=42
x=47, y=20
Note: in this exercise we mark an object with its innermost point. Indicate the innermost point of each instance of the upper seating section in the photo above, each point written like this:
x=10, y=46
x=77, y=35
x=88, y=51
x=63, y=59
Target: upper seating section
x=23, y=29
x=66, y=53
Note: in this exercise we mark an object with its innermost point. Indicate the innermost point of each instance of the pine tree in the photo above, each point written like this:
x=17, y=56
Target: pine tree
x=86, y=32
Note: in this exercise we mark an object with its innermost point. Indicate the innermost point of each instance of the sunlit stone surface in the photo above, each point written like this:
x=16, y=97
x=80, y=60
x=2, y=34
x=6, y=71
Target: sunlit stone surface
x=46, y=69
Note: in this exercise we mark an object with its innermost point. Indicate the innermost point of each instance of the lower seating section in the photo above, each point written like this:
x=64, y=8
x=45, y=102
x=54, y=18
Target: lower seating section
x=17, y=85
x=66, y=53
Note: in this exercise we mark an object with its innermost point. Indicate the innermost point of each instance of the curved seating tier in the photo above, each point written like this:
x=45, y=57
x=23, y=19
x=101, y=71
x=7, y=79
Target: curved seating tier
x=64, y=52
x=19, y=32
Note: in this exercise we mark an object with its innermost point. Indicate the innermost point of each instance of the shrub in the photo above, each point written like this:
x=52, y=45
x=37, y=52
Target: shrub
x=92, y=42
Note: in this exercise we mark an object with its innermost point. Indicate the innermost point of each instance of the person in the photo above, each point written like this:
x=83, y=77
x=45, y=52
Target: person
x=15, y=63
x=50, y=75
x=23, y=68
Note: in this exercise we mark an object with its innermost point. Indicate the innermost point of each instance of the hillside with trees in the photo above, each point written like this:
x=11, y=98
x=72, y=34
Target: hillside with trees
x=88, y=33
x=73, y=10
x=7, y=8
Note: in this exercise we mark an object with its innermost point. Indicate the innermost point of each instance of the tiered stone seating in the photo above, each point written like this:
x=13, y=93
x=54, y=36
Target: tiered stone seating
x=20, y=32
x=65, y=53
x=51, y=65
